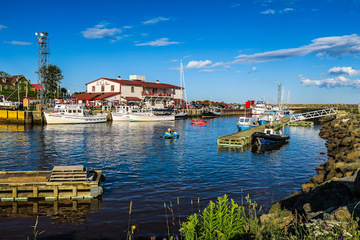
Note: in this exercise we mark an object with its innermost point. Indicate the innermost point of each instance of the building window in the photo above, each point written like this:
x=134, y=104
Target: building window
x=173, y=91
x=112, y=88
x=132, y=89
x=103, y=88
x=93, y=88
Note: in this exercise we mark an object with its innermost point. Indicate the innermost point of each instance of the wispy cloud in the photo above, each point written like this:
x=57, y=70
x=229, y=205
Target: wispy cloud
x=326, y=46
x=2, y=27
x=340, y=81
x=272, y=11
x=269, y=11
x=101, y=31
x=18, y=43
x=349, y=71
x=155, y=20
x=253, y=69
x=158, y=43
x=198, y=64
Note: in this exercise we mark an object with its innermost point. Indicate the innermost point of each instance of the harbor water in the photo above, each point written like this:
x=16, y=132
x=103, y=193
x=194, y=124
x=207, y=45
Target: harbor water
x=165, y=180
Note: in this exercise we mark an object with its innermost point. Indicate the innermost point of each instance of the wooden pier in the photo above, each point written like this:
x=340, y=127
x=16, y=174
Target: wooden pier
x=242, y=139
x=63, y=182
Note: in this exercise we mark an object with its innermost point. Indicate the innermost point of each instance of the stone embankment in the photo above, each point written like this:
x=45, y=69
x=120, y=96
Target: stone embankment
x=333, y=194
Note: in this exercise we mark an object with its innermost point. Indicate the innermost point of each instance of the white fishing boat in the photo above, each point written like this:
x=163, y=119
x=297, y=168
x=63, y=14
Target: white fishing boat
x=72, y=114
x=260, y=108
x=122, y=113
x=152, y=115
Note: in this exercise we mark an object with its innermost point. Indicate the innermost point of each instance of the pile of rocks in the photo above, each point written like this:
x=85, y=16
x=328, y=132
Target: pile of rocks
x=334, y=193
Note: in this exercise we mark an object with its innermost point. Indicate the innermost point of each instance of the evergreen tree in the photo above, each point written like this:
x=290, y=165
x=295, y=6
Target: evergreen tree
x=4, y=74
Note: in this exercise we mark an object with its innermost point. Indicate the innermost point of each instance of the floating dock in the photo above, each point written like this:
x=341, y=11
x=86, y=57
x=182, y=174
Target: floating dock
x=242, y=139
x=63, y=182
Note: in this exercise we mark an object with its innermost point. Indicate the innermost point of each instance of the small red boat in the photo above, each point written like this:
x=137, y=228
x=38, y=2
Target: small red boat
x=199, y=122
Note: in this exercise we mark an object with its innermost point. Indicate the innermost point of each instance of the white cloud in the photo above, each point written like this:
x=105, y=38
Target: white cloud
x=198, y=64
x=253, y=69
x=344, y=71
x=339, y=81
x=2, y=27
x=288, y=9
x=100, y=31
x=157, y=43
x=206, y=70
x=18, y=43
x=269, y=11
x=155, y=20
x=326, y=46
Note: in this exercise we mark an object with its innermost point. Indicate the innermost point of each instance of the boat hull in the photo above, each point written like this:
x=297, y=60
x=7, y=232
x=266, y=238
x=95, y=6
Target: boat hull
x=206, y=113
x=56, y=118
x=151, y=118
x=120, y=117
x=268, y=138
x=244, y=127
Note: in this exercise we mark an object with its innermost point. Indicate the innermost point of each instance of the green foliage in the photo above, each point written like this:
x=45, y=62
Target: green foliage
x=221, y=220
x=4, y=74
x=52, y=77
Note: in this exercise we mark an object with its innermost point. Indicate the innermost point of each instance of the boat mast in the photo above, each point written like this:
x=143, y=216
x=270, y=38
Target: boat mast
x=182, y=83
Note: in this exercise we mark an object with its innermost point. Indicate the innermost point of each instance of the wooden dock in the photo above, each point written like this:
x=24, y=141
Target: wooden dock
x=242, y=139
x=63, y=182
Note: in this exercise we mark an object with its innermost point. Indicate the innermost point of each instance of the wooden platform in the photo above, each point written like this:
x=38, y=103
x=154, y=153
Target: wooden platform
x=242, y=139
x=69, y=182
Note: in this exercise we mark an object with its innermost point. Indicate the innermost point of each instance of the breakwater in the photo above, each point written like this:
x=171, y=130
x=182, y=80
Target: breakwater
x=333, y=194
x=21, y=117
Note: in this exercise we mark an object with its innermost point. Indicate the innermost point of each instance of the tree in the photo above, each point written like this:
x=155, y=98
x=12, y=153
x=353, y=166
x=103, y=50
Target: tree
x=51, y=76
x=4, y=74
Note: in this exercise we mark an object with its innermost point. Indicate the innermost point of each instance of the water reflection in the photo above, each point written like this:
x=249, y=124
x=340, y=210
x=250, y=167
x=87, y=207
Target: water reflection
x=264, y=148
x=60, y=211
x=148, y=170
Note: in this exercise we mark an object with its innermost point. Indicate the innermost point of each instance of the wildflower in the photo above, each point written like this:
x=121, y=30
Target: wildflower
x=329, y=228
x=247, y=227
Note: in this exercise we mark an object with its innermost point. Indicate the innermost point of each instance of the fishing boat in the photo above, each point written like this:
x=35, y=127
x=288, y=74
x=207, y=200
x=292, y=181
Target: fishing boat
x=199, y=122
x=259, y=108
x=122, y=113
x=211, y=112
x=245, y=123
x=73, y=114
x=152, y=115
x=180, y=114
x=268, y=136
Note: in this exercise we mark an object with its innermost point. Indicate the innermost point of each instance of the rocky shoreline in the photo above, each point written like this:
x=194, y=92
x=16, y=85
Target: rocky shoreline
x=333, y=194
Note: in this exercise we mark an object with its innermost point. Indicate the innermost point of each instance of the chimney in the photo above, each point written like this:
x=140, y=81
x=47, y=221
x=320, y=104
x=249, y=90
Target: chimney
x=119, y=78
x=157, y=81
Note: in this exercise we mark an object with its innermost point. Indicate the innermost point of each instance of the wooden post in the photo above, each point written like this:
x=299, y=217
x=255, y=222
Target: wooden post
x=56, y=191
x=74, y=191
x=14, y=192
x=35, y=191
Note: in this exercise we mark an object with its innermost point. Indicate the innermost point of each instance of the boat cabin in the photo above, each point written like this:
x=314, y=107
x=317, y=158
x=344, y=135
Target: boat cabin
x=66, y=109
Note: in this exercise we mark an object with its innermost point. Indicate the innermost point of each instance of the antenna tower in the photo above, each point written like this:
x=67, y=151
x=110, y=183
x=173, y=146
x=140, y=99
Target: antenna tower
x=43, y=58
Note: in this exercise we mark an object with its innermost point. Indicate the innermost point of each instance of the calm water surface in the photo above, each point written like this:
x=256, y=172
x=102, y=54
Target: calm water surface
x=149, y=171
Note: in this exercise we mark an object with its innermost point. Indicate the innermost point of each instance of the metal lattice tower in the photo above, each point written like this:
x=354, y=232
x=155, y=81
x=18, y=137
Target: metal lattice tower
x=43, y=58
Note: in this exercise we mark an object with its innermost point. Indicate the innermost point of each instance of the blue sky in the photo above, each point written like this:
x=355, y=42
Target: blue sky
x=232, y=50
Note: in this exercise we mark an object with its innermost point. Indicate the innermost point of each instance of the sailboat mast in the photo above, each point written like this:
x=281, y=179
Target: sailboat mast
x=182, y=82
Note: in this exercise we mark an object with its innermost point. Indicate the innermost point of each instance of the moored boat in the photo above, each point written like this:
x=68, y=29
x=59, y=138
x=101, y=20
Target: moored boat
x=210, y=113
x=152, y=115
x=122, y=113
x=180, y=114
x=72, y=114
x=245, y=123
x=268, y=136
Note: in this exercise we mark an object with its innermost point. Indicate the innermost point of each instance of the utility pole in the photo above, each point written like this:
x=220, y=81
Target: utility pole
x=43, y=57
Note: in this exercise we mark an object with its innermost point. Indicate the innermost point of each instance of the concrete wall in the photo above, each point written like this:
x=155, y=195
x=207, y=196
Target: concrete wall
x=21, y=117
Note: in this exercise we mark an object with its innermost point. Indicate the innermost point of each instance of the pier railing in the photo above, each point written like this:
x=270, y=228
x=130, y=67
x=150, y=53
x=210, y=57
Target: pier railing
x=313, y=114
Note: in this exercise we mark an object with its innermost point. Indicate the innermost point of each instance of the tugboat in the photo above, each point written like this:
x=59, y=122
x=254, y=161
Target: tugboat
x=268, y=136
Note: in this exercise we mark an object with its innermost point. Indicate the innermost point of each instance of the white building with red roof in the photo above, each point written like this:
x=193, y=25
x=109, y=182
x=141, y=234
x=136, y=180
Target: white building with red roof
x=135, y=91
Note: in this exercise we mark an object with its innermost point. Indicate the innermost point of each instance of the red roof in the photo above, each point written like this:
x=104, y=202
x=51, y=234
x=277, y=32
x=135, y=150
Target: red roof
x=37, y=86
x=132, y=99
x=139, y=83
x=95, y=96
x=103, y=96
